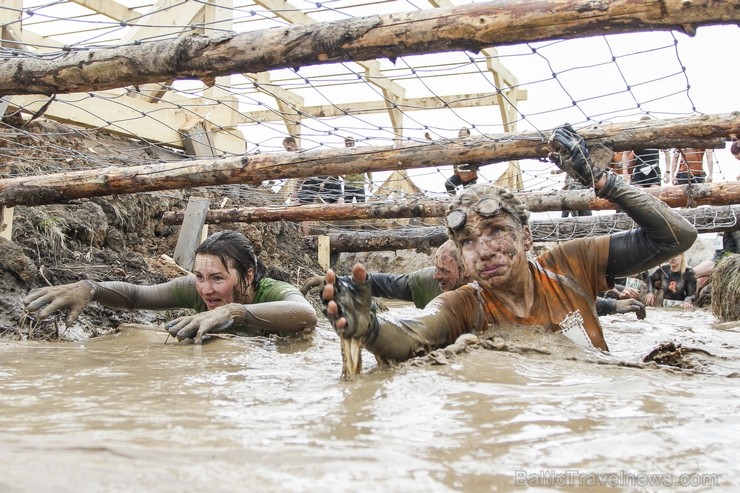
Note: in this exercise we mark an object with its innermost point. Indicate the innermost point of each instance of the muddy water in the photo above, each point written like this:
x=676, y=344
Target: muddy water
x=131, y=413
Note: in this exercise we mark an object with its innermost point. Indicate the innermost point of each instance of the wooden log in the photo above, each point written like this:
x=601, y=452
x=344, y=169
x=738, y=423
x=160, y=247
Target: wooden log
x=725, y=193
x=706, y=220
x=467, y=27
x=253, y=169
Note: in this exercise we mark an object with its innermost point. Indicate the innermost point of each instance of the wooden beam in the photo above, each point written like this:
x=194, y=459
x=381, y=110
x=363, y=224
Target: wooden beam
x=254, y=169
x=467, y=27
x=471, y=100
x=128, y=118
x=166, y=17
x=191, y=232
x=198, y=142
x=706, y=220
x=725, y=193
x=109, y=8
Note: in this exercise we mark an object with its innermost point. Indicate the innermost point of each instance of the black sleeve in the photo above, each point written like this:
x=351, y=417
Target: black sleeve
x=605, y=306
x=690, y=284
x=393, y=286
x=662, y=232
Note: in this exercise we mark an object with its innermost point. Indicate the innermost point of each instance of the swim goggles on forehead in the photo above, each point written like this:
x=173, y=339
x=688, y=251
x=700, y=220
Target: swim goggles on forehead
x=489, y=207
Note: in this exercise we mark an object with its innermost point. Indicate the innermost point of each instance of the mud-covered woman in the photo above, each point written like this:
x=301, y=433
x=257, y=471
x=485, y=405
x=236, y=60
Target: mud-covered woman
x=228, y=289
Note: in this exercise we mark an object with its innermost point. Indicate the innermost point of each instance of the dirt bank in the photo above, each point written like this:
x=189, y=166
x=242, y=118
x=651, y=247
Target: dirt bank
x=110, y=238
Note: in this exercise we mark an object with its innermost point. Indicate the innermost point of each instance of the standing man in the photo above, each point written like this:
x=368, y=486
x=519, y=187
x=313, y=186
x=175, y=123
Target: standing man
x=687, y=166
x=327, y=188
x=641, y=167
x=354, y=184
x=462, y=174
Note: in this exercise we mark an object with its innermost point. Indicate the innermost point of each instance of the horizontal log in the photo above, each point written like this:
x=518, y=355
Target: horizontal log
x=468, y=27
x=253, y=169
x=706, y=220
x=725, y=193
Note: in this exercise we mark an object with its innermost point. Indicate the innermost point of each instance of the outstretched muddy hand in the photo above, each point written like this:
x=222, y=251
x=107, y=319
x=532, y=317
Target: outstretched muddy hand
x=348, y=303
x=572, y=156
x=71, y=297
x=631, y=305
x=197, y=326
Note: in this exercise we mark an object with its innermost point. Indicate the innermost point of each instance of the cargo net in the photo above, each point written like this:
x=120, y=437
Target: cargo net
x=429, y=98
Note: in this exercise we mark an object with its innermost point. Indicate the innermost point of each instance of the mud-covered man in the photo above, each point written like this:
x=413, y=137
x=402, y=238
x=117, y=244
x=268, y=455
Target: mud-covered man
x=423, y=285
x=555, y=291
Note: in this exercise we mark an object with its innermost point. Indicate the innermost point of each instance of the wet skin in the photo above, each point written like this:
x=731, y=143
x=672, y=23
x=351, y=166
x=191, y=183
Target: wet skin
x=216, y=284
x=446, y=272
x=494, y=250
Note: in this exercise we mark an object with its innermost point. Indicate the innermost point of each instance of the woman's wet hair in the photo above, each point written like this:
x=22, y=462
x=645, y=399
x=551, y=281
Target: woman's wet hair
x=474, y=195
x=237, y=247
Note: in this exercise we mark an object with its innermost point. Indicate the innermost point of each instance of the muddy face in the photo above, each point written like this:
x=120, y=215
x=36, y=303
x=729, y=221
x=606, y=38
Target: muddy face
x=446, y=271
x=494, y=249
x=216, y=283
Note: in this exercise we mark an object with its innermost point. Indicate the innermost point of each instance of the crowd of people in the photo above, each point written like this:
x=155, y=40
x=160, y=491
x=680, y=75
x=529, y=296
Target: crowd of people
x=330, y=189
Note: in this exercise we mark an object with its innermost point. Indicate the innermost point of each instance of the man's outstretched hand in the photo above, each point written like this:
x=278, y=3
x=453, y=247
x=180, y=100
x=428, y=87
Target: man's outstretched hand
x=571, y=155
x=348, y=303
x=631, y=305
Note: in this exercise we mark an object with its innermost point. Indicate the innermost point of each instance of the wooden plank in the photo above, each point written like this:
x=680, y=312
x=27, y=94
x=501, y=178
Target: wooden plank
x=324, y=254
x=129, y=120
x=6, y=222
x=109, y=8
x=191, y=232
x=197, y=141
x=166, y=17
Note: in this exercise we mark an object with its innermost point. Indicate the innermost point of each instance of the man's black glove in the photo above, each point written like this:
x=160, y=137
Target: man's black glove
x=572, y=156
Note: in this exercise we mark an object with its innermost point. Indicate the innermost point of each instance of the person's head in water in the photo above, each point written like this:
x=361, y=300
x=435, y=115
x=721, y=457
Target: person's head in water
x=448, y=271
x=226, y=269
x=349, y=141
x=490, y=227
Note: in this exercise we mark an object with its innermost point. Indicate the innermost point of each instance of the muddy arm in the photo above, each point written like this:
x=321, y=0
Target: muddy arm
x=662, y=234
x=117, y=294
x=292, y=314
x=451, y=314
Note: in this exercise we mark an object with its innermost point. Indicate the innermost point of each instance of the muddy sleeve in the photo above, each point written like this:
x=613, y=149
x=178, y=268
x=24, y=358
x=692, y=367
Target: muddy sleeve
x=117, y=294
x=393, y=286
x=662, y=232
x=605, y=306
x=451, y=314
x=292, y=314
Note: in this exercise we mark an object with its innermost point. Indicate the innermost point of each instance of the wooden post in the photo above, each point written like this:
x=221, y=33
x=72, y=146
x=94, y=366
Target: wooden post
x=6, y=222
x=324, y=252
x=197, y=141
x=191, y=232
